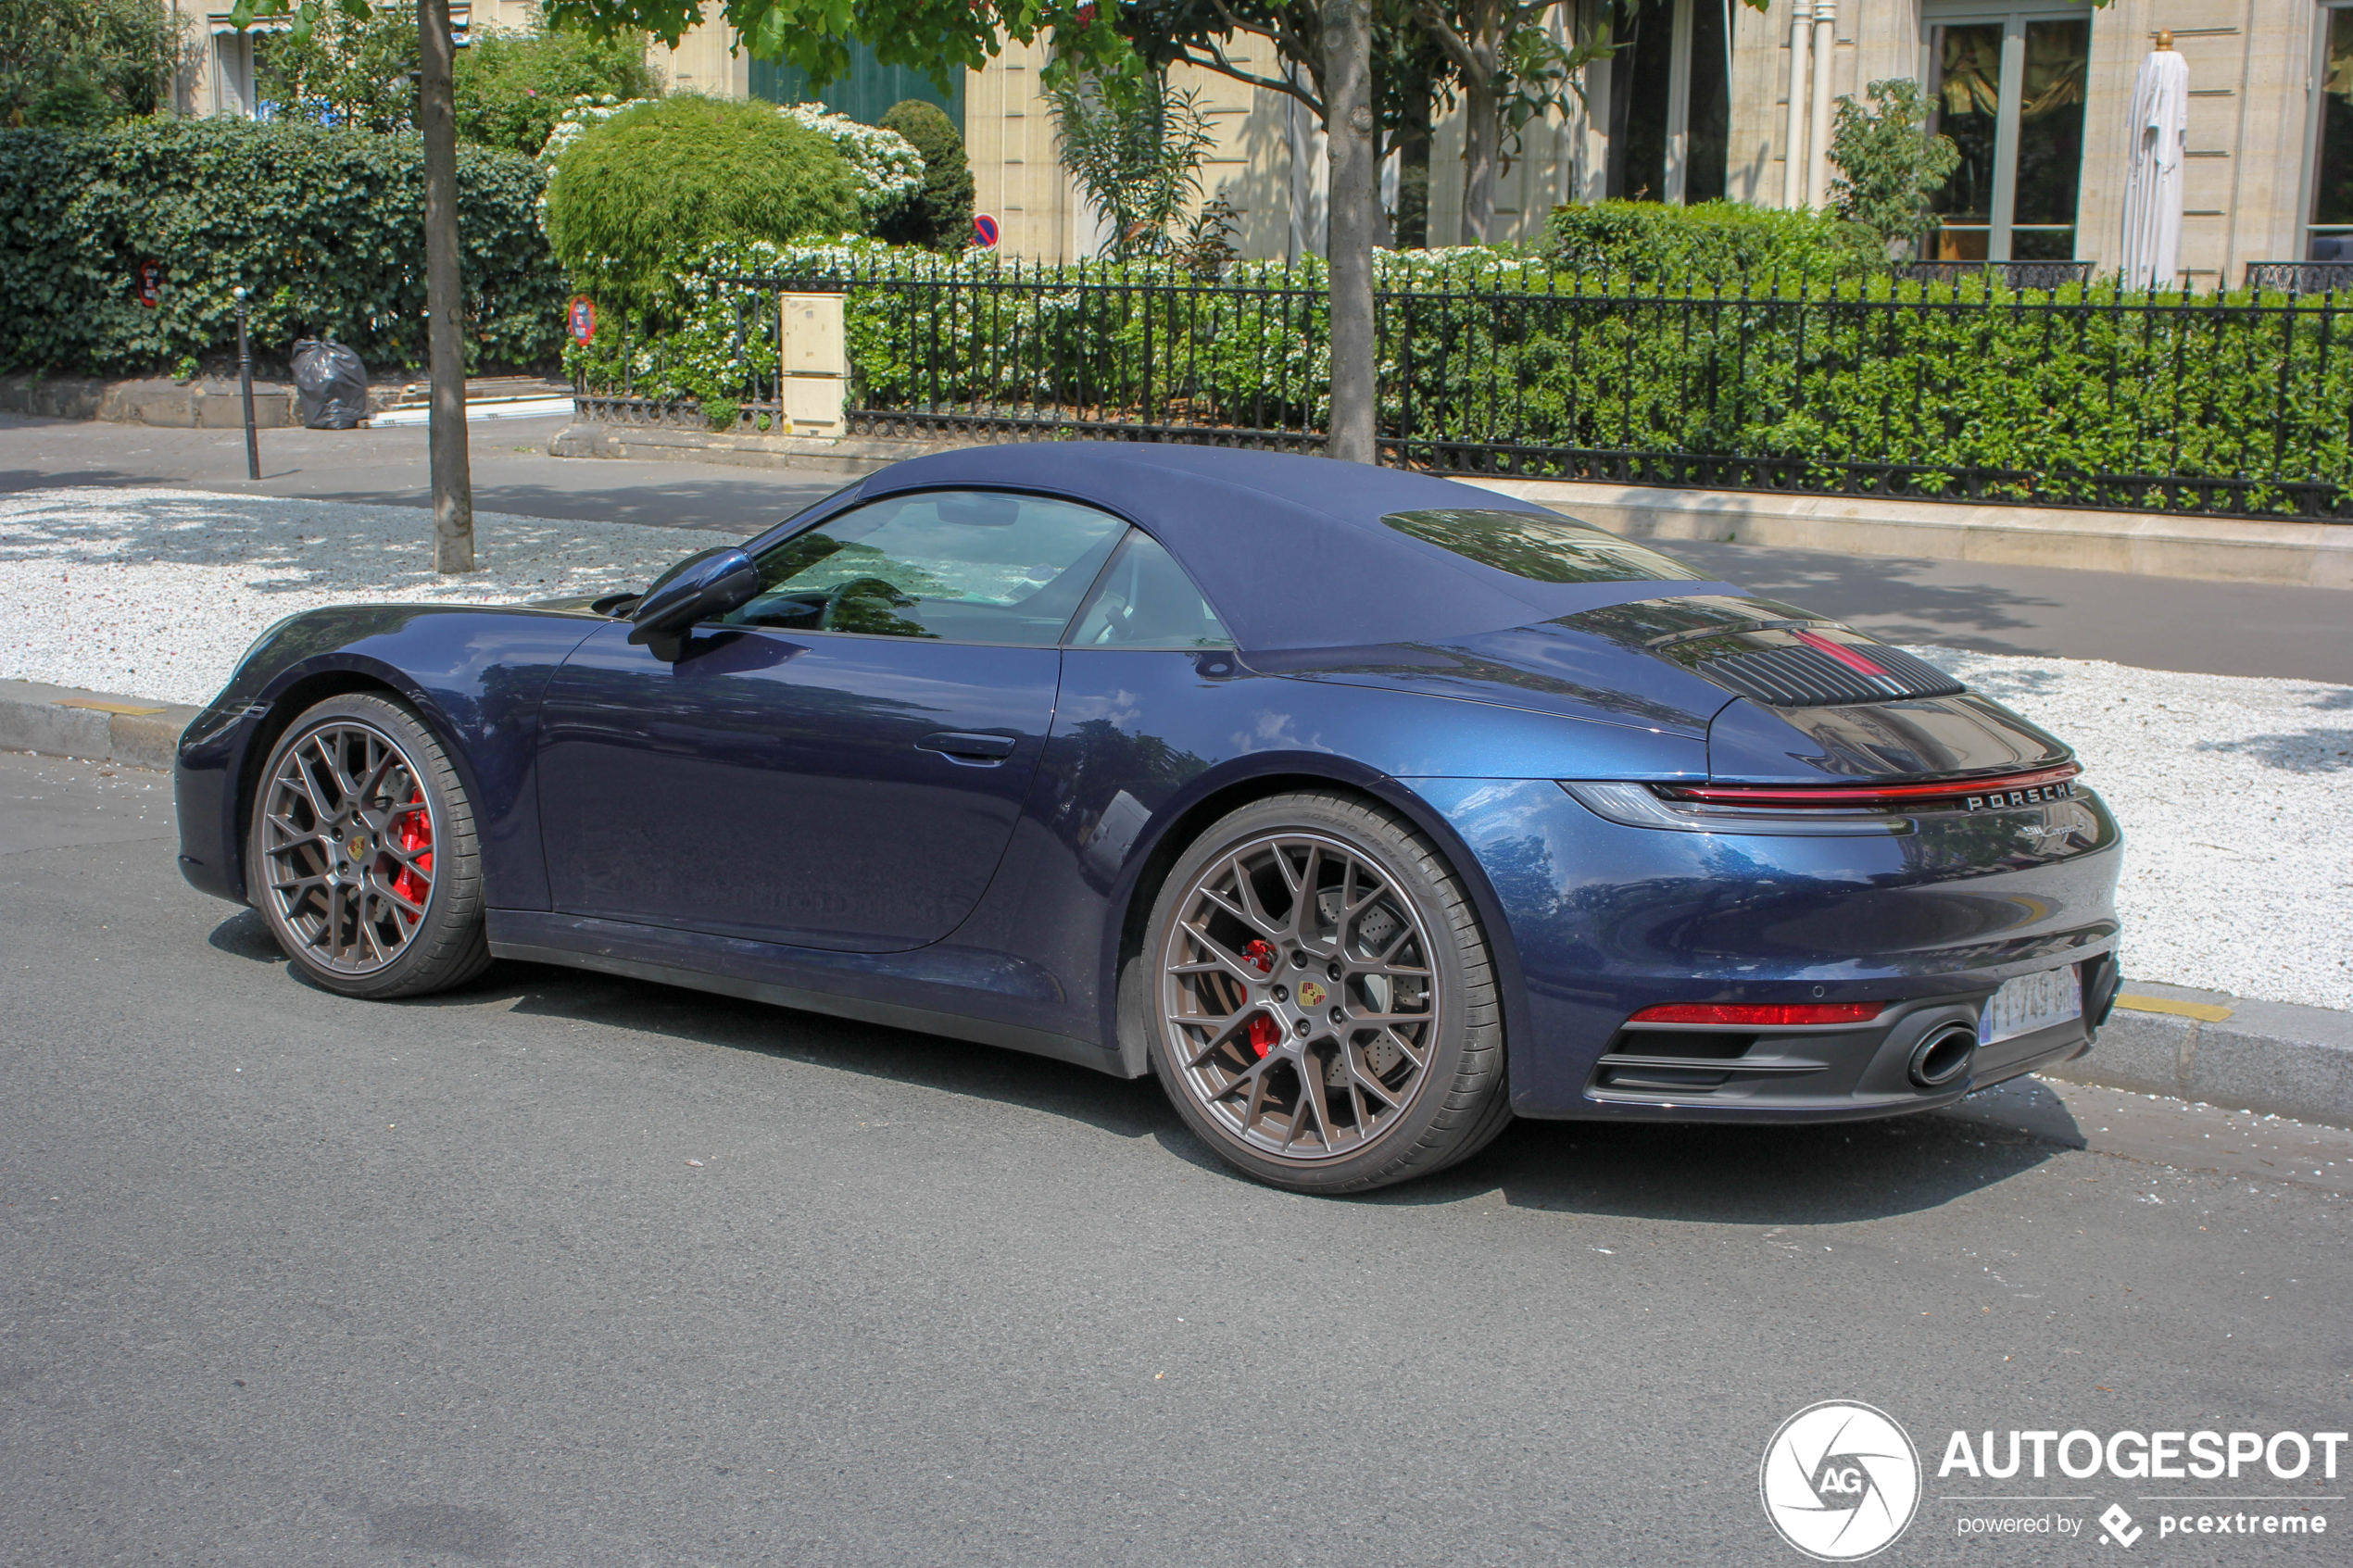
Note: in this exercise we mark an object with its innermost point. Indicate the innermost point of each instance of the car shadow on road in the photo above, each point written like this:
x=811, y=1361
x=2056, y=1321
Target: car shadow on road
x=1833, y=1173
x=1130, y=1109
x=1725, y=1174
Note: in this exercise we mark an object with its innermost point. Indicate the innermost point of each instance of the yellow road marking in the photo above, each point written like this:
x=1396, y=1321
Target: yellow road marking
x=2205, y=1012
x=127, y=709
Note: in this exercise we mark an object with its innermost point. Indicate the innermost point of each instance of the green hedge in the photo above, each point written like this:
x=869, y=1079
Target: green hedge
x=2052, y=388
x=325, y=227
x=1654, y=241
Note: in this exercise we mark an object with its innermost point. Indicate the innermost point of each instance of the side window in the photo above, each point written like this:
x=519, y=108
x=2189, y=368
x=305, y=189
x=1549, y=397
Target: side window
x=1146, y=601
x=960, y=565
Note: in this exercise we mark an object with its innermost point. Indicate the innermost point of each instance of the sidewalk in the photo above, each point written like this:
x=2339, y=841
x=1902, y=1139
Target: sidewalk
x=2152, y=623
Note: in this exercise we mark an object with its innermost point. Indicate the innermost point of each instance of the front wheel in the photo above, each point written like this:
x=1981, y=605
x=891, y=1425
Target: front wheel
x=362, y=857
x=1322, y=1008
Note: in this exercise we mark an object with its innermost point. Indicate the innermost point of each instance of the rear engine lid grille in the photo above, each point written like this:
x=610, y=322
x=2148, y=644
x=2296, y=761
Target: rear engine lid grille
x=1814, y=670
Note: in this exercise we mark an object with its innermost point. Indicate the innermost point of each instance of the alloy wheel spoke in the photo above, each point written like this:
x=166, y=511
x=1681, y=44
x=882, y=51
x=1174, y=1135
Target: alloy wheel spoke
x=355, y=917
x=335, y=772
x=1240, y=912
x=1295, y=1101
x=371, y=784
x=1222, y=960
x=391, y=894
x=1410, y=1050
x=1368, y=1083
x=1231, y=1026
x=1257, y=913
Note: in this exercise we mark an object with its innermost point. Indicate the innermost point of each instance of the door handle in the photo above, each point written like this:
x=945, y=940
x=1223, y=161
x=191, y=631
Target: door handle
x=968, y=747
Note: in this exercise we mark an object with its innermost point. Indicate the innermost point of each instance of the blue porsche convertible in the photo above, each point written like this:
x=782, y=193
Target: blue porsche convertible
x=1365, y=809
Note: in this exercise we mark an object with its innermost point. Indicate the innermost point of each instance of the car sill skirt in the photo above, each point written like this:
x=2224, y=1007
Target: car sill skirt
x=537, y=937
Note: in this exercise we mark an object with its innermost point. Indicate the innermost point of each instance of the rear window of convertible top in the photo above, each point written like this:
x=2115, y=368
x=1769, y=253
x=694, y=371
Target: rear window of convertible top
x=1541, y=548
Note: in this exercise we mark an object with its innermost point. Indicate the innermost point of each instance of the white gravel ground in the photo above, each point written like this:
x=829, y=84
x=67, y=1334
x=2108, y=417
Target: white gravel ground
x=156, y=592
x=2236, y=795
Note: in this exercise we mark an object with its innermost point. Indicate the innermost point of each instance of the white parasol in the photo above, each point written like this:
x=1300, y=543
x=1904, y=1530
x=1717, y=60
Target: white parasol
x=2153, y=188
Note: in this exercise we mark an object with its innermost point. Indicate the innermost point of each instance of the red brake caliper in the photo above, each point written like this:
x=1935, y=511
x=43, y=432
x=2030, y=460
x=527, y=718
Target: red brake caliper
x=1264, y=1031
x=416, y=833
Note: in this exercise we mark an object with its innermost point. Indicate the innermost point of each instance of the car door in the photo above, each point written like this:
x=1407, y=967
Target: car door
x=839, y=763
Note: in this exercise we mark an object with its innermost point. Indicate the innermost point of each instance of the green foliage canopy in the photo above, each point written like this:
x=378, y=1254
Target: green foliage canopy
x=510, y=86
x=939, y=37
x=80, y=64
x=1136, y=156
x=1888, y=166
x=666, y=177
x=344, y=70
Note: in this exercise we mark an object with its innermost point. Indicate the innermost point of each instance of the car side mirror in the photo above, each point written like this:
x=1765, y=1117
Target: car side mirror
x=699, y=588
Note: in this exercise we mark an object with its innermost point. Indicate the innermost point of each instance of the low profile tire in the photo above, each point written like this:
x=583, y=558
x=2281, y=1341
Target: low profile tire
x=1320, y=1002
x=362, y=857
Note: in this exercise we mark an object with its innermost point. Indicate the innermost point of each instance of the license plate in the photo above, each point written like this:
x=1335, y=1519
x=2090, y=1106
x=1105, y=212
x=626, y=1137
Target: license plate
x=2031, y=1002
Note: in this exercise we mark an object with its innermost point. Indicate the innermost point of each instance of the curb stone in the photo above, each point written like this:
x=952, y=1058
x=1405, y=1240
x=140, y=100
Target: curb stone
x=2262, y=1056
x=2270, y=1057
x=97, y=726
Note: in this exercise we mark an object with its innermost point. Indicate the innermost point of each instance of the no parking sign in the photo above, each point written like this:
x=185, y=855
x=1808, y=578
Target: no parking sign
x=985, y=232
x=580, y=319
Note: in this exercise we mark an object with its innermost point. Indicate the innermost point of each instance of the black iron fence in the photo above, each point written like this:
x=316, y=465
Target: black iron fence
x=2226, y=405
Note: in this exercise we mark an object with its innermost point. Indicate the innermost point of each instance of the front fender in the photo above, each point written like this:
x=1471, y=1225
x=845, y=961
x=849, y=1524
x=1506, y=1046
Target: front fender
x=473, y=674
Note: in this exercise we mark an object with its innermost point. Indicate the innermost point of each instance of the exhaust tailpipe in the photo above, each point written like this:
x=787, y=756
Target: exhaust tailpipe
x=1943, y=1059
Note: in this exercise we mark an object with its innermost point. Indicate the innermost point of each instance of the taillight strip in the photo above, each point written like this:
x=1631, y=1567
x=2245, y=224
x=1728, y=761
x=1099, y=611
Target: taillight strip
x=1874, y=794
x=1760, y=1015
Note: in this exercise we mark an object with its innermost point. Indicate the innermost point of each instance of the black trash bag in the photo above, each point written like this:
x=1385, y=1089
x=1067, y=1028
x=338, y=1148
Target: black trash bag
x=331, y=382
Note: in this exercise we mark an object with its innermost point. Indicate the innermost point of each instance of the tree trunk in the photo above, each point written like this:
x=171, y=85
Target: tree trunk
x=1482, y=132
x=1353, y=209
x=453, y=495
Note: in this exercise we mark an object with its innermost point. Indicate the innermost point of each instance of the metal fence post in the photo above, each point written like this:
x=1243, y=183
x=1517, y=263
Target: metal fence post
x=245, y=380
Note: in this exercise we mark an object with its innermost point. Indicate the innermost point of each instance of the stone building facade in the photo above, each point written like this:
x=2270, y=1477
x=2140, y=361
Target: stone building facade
x=1707, y=98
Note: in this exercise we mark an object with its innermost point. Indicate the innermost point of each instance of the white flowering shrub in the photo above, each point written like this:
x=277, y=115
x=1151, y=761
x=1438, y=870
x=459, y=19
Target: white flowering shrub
x=888, y=168
x=587, y=110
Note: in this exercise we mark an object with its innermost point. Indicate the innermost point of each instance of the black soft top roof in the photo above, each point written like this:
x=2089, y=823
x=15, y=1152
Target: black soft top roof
x=1290, y=550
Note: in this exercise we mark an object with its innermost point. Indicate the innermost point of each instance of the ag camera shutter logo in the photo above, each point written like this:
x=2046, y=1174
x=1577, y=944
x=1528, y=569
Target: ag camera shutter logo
x=1841, y=1481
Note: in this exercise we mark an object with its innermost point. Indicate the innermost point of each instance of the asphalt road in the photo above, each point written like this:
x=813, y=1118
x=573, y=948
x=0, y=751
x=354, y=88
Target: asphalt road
x=567, y=1270
x=2156, y=623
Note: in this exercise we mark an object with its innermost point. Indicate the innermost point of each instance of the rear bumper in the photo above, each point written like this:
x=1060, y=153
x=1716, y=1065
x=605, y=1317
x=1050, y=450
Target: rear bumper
x=1828, y=1074
x=1605, y=919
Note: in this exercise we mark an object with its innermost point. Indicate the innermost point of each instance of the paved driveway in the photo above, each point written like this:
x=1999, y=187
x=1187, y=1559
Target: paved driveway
x=568, y=1270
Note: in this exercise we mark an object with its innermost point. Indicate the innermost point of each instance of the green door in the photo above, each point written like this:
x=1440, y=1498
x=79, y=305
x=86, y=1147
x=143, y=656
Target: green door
x=866, y=94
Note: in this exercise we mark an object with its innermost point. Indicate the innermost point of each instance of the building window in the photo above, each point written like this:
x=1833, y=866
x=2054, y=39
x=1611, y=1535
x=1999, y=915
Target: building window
x=2330, y=236
x=1670, y=99
x=2007, y=85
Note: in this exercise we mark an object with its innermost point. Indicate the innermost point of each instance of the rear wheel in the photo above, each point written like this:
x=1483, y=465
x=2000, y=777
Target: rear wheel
x=1323, y=1011
x=362, y=857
